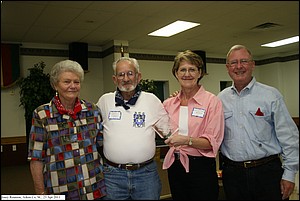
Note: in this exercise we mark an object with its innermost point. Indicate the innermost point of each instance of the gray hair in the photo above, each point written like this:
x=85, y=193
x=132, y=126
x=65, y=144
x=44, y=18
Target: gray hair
x=238, y=47
x=133, y=61
x=65, y=66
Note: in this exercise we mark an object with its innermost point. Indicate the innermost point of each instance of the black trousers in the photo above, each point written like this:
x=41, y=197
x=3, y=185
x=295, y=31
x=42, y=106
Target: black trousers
x=200, y=183
x=255, y=183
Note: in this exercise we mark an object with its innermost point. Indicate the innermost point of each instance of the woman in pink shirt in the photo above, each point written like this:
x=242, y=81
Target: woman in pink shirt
x=199, y=116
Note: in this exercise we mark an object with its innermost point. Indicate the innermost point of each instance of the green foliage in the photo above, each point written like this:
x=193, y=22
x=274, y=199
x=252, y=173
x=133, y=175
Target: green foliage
x=147, y=85
x=35, y=90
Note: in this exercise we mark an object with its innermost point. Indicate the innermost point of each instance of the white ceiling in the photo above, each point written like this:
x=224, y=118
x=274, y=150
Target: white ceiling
x=223, y=24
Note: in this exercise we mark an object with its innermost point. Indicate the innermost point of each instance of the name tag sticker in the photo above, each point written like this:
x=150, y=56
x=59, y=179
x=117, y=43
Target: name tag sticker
x=198, y=112
x=114, y=115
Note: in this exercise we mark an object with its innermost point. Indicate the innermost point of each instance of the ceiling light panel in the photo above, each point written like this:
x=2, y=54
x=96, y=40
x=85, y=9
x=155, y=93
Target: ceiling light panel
x=286, y=41
x=174, y=28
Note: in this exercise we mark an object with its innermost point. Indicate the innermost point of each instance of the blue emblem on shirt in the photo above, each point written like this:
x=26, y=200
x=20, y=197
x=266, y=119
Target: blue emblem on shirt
x=139, y=119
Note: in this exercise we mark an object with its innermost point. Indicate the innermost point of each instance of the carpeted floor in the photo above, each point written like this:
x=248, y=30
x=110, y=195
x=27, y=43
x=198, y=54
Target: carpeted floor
x=16, y=180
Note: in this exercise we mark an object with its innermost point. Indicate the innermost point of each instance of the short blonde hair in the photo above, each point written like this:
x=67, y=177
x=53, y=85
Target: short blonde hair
x=238, y=47
x=191, y=57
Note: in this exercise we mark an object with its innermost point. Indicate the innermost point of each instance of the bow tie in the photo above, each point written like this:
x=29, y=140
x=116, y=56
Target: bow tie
x=120, y=100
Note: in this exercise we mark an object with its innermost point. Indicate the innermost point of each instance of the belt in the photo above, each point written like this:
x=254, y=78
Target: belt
x=177, y=157
x=250, y=163
x=129, y=166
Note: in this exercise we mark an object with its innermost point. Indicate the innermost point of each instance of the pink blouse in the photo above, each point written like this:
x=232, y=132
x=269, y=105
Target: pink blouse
x=205, y=119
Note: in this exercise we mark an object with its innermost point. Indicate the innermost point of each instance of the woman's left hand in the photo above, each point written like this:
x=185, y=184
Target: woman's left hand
x=177, y=140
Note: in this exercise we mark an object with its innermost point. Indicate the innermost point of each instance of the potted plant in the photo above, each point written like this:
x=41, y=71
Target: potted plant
x=35, y=90
x=147, y=85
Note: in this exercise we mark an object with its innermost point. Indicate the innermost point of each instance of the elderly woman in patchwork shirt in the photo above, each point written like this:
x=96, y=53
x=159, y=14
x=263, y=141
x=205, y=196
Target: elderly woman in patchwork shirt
x=64, y=137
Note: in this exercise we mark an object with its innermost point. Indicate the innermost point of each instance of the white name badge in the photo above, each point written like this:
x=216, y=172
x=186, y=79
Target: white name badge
x=198, y=112
x=114, y=115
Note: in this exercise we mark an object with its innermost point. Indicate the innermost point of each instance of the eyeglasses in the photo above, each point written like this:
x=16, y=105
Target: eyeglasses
x=121, y=75
x=243, y=62
x=192, y=71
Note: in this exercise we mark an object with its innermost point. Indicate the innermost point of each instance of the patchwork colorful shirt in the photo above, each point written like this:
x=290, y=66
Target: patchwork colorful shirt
x=68, y=149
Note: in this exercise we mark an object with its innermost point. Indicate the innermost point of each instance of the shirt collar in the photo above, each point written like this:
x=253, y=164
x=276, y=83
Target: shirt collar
x=196, y=97
x=246, y=88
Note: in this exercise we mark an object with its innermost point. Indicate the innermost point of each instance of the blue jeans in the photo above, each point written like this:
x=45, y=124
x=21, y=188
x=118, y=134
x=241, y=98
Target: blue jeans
x=141, y=184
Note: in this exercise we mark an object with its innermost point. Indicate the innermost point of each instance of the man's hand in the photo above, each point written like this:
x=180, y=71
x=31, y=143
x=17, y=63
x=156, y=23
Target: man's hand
x=287, y=188
x=174, y=94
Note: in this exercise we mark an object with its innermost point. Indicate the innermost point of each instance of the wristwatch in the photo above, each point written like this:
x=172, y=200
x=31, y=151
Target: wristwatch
x=190, y=141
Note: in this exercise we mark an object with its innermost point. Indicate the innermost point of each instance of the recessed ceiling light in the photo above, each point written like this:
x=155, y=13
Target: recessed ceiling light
x=174, y=28
x=286, y=41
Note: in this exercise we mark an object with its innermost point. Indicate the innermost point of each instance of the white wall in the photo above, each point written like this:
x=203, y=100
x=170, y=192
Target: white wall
x=92, y=87
x=12, y=116
x=159, y=71
x=284, y=76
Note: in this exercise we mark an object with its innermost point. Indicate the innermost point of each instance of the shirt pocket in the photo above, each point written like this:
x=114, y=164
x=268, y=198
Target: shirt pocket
x=228, y=116
x=261, y=125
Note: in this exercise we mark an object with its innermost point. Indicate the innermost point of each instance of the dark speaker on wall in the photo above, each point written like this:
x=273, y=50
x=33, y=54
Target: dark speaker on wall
x=79, y=52
x=202, y=54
